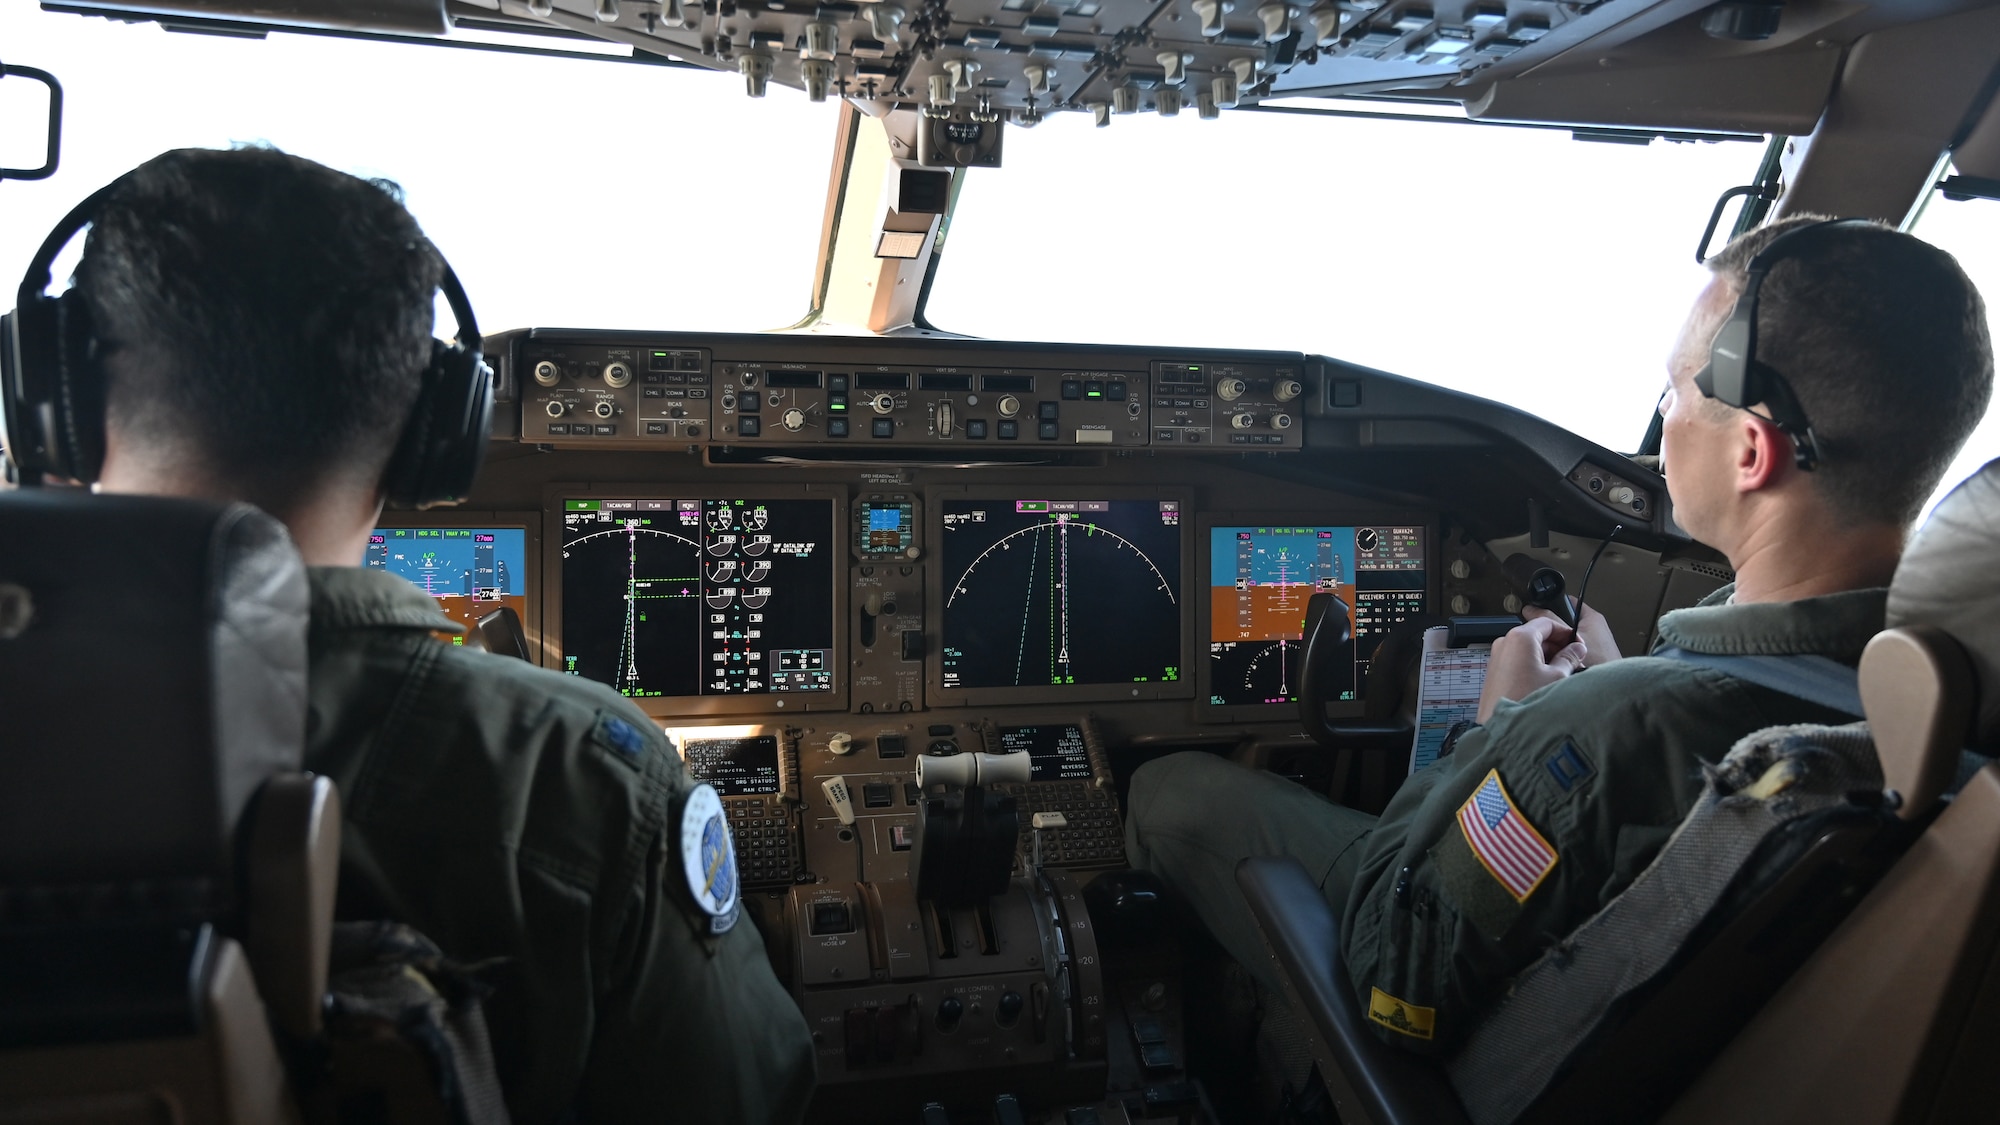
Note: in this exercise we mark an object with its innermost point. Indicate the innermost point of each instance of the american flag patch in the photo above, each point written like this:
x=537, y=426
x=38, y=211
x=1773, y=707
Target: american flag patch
x=1503, y=839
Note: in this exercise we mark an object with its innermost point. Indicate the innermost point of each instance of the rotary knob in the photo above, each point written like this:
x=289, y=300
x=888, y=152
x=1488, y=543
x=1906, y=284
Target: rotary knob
x=605, y=409
x=617, y=374
x=794, y=419
x=1281, y=421
x=1229, y=390
x=557, y=408
x=1242, y=421
x=1287, y=390
x=840, y=742
x=883, y=404
x=548, y=373
x=1009, y=406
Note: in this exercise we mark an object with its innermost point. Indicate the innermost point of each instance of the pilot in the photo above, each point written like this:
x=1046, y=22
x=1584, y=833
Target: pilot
x=263, y=321
x=1573, y=782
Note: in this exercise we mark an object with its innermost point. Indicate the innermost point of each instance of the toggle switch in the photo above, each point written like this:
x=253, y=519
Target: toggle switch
x=1175, y=64
x=1246, y=71
x=1211, y=13
x=607, y=11
x=1326, y=25
x=673, y=13
x=883, y=20
x=1101, y=113
x=1277, y=20
x=1038, y=79
x=961, y=71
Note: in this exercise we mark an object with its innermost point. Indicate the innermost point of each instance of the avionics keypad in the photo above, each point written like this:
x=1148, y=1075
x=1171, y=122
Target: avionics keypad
x=767, y=850
x=1094, y=836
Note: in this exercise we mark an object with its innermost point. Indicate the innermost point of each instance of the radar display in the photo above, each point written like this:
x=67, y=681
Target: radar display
x=471, y=571
x=699, y=597
x=1260, y=579
x=1060, y=592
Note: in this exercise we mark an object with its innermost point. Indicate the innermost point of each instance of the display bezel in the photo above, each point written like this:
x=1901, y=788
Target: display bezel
x=686, y=706
x=936, y=498
x=530, y=524
x=1207, y=522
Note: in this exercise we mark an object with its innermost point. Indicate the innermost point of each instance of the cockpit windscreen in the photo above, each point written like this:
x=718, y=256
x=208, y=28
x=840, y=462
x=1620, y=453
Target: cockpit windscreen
x=1058, y=592
x=1259, y=579
x=708, y=597
x=471, y=571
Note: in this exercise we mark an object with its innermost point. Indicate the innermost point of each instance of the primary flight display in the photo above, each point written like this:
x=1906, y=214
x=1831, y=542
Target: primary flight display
x=471, y=571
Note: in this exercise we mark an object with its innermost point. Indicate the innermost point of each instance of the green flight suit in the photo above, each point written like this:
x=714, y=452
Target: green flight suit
x=511, y=812
x=1589, y=778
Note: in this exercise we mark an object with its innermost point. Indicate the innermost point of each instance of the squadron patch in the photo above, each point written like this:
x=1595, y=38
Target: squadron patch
x=709, y=857
x=1401, y=1016
x=1503, y=840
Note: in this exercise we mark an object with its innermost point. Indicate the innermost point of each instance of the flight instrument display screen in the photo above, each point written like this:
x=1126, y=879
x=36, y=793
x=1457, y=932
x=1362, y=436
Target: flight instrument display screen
x=1057, y=592
x=471, y=571
x=1259, y=579
x=737, y=767
x=699, y=597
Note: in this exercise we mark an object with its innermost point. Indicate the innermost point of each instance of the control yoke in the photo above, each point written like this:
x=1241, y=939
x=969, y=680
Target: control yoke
x=1329, y=637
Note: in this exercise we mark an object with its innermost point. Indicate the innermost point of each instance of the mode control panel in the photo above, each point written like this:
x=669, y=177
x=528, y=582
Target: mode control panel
x=795, y=403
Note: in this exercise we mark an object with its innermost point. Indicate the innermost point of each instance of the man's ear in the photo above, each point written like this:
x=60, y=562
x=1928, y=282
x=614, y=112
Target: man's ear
x=1764, y=453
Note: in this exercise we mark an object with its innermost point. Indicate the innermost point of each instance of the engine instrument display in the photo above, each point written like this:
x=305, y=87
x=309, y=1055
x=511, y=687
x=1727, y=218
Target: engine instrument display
x=699, y=597
x=1056, y=751
x=471, y=571
x=737, y=767
x=1259, y=579
x=1061, y=592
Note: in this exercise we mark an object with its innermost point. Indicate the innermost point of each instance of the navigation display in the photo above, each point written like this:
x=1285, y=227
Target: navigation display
x=471, y=571
x=1056, y=751
x=1259, y=579
x=737, y=767
x=1060, y=592
x=699, y=597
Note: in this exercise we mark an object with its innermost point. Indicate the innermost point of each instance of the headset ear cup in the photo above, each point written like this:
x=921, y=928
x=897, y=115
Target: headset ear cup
x=444, y=441
x=81, y=398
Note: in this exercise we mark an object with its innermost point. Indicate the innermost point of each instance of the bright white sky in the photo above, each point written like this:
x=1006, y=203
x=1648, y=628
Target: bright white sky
x=1519, y=265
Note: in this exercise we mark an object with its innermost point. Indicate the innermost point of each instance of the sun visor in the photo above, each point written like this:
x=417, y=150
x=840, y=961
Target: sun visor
x=1948, y=579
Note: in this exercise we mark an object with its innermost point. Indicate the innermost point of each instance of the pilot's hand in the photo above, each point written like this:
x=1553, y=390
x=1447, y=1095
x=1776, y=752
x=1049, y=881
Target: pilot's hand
x=1591, y=628
x=1533, y=655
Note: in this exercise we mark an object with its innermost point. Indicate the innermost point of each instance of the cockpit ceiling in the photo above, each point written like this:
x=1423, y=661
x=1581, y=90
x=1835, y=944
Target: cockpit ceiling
x=1745, y=65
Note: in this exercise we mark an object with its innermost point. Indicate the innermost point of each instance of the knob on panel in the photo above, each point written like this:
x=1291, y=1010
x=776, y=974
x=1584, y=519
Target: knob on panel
x=1288, y=389
x=794, y=419
x=1242, y=421
x=883, y=403
x=548, y=373
x=557, y=408
x=617, y=374
x=1229, y=390
x=1009, y=406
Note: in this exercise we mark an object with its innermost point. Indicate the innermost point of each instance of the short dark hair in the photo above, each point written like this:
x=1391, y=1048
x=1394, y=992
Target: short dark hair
x=1884, y=340
x=267, y=316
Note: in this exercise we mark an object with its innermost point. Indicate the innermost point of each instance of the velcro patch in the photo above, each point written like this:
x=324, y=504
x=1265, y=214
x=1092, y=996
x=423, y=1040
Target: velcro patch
x=1401, y=1016
x=1569, y=767
x=622, y=737
x=1503, y=840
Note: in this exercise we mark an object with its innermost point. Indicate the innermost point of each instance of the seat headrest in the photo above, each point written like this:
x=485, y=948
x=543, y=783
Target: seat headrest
x=152, y=676
x=1950, y=578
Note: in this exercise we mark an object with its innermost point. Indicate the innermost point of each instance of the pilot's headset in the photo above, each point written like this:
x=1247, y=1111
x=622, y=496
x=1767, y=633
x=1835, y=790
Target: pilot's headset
x=52, y=387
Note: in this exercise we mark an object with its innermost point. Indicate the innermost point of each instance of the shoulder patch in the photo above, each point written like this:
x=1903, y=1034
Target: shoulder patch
x=1500, y=836
x=708, y=857
x=1569, y=767
x=622, y=736
x=1401, y=1016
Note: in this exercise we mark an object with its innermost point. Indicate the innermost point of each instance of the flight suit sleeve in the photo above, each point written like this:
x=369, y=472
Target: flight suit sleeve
x=1503, y=850
x=691, y=1024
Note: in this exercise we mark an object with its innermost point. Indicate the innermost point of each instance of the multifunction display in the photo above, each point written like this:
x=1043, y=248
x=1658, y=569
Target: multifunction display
x=1059, y=592
x=471, y=571
x=737, y=767
x=1259, y=579
x=699, y=597
x=1056, y=750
